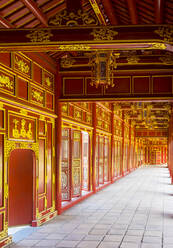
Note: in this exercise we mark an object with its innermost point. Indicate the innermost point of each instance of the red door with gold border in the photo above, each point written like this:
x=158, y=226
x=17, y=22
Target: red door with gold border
x=21, y=163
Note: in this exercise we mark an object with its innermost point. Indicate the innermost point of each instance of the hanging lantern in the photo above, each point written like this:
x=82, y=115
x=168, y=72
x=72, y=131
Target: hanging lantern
x=102, y=68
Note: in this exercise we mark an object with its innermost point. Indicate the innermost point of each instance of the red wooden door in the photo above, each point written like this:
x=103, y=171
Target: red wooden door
x=20, y=187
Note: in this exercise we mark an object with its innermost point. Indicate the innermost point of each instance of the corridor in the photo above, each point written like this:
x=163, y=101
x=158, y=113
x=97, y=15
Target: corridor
x=136, y=211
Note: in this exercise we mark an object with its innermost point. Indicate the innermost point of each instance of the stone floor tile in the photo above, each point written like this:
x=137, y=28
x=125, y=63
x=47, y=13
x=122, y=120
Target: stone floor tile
x=153, y=233
x=149, y=239
x=27, y=242
x=56, y=236
x=74, y=237
x=67, y=243
x=134, y=239
x=134, y=232
x=109, y=238
x=93, y=237
x=151, y=245
x=108, y=245
x=98, y=231
x=88, y=244
x=129, y=245
x=47, y=243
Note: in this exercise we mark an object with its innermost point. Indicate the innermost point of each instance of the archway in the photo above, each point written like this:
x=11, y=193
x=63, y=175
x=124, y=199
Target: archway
x=21, y=173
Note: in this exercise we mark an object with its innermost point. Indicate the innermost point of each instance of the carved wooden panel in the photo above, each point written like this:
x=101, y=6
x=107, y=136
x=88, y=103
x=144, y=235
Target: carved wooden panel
x=41, y=173
x=48, y=80
x=73, y=86
x=65, y=165
x=85, y=161
x=21, y=127
x=37, y=95
x=106, y=159
x=21, y=64
x=2, y=119
x=22, y=88
x=1, y=170
x=76, y=163
x=37, y=73
x=7, y=82
x=49, y=164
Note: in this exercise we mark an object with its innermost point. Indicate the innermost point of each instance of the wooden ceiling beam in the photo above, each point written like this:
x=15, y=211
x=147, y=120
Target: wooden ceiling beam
x=133, y=11
x=32, y=6
x=5, y=23
x=110, y=12
x=98, y=12
x=159, y=10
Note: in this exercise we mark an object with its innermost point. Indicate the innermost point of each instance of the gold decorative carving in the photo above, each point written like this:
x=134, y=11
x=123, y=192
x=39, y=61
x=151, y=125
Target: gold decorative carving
x=158, y=46
x=37, y=96
x=11, y=145
x=96, y=8
x=6, y=82
x=79, y=47
x=48, y=82
x=39, y=35
x=67, y=62
x=22, y=66
x=166, y=33
x=167, y=60
x=73, y=19
x=133, y=59
x=23, y=112
x=104, y=34
x=64, y=108
x=22, y=132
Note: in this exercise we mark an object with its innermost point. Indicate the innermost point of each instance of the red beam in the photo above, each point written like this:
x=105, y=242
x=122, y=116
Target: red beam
x=133, y=11
x=5, y=23
x=32, y=6
x=159, y=10
x=110, y=12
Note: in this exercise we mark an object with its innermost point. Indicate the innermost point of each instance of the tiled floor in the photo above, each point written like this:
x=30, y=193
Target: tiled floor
x=136, y=211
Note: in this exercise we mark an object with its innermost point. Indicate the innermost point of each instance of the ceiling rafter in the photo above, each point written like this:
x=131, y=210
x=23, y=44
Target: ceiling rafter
x=98, y=12
x=110, y=12
x=32, y=6
x=133, y=11
x=159, y=10
x=5, y=23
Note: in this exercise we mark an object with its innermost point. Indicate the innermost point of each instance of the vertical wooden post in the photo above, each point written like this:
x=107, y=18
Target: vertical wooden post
x=94, y=117
x=129, y=150
x=58, y=141
x=162, y=154
x=122, y=151
x=112, y=145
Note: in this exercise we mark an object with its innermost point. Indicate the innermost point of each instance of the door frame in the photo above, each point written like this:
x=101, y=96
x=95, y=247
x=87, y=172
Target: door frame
x=10, y=146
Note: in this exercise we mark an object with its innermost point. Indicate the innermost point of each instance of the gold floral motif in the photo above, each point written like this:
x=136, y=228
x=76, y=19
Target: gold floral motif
x=64, y=108
x=78, y=114
x=74, y=47
x=22, y=66
x=23, y=112
x=37, y=96
x=6, y=82
x=48, y=82
x=158, y=46
x=166, y=33
x=39, y=35
x=67, y=62
x=22, y=132
x=133, y=59
x=104, y=33
x=167, y=60
x=73, y=19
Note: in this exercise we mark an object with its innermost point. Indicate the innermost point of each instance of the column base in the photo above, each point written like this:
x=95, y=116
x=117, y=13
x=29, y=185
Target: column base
x=6, y=241
x=44, y=219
